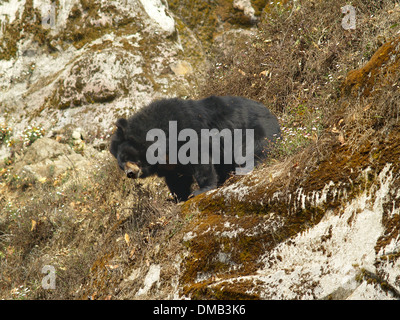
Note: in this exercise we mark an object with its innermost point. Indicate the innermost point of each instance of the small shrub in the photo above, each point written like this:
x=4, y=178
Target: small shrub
x=31, y=134
x=5, y=134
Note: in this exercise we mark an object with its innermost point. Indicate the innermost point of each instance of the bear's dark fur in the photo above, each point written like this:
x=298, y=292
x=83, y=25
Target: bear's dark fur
x=129, y=145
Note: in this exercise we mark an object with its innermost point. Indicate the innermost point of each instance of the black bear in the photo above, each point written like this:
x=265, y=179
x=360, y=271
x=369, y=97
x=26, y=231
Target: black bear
x=183, y=140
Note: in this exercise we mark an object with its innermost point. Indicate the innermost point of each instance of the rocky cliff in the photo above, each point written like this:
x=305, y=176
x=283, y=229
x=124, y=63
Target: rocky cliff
x=320, y=220
x=61, y=61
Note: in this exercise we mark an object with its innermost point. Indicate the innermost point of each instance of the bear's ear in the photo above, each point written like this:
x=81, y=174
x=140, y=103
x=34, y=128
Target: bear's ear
x=122, y=124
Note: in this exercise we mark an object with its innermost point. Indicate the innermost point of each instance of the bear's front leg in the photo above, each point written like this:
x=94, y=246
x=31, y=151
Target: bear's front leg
x=179, y=185
x=206, y=177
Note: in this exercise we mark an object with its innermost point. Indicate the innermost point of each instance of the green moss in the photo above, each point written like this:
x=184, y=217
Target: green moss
x=30, y=22
x=344, y=167
x=383, y=63
x=210, y=18
x=243, y=250
x=259, y=6
x=374, y=279
x=223, y=291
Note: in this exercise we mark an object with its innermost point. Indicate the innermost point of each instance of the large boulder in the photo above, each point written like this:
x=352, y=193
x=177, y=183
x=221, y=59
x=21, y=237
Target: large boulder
x=47, y=160
x=87, y=62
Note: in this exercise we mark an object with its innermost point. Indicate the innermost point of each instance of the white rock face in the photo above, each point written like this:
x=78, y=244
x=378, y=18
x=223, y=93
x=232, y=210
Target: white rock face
x=156, y=11
x=8, y=10
x=152, y=277
x=332, y=254
x=246, y=7
x=96, y=64
x=333, y=259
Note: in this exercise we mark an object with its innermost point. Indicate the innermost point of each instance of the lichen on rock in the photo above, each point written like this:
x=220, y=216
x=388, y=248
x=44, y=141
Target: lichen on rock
x=362, y=82
x=94, y=55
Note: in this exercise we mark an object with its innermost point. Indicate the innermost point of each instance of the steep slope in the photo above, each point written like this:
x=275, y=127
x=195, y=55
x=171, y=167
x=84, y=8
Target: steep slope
x=318, y=225
x=320, y=220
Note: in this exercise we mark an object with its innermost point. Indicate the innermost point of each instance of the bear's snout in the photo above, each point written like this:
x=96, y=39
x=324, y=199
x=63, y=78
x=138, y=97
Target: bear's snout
x=132, y=170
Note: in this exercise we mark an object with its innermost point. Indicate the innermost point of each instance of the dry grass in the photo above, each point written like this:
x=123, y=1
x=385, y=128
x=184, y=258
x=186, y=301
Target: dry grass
x=74, y=228
x=296, y=63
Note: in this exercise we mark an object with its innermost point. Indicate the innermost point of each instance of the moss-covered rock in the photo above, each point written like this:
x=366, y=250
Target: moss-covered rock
x=249, y=231
x=209, y=19
x=93, y=61
x=304, y=229
x=377, y=72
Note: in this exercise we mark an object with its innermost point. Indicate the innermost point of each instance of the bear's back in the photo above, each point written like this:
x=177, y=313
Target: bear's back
x=217, y=112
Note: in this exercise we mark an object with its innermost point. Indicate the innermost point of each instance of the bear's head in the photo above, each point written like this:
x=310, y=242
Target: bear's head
x=130, y=154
